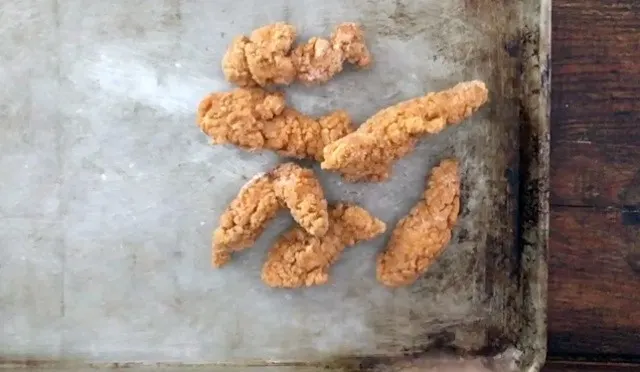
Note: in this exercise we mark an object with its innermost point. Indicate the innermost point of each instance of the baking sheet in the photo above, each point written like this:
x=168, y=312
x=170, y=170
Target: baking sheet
x=109, y=192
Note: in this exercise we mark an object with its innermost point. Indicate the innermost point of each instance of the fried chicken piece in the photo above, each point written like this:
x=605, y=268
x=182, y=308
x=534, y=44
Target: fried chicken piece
x=300, y=259
x=254, y=119
x=287, y=185
x=420, y=237
x=300, y=191
x=319, y=60
x=267, y=56
x=245, y=218
x=262, y=58
x=369, y=153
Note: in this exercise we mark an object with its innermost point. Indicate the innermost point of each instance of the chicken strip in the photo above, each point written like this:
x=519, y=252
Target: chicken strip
x=253, y=119
x=319, y=60
x=300, y=191
x=300, y=259
x=244, y=220
x=262, y=58
x=419, y=238
x=268, y=56
x=369, y=153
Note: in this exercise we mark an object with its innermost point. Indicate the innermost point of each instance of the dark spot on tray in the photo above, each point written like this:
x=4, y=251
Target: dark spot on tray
x=513, y=179
x=545, y=72
x=463, y=235
x=513, y=48
x=29, y=363
x=404, y=21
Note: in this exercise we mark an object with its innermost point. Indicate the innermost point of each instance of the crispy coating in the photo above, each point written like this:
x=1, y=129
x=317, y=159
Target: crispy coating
x=244, y=220
x=318, y=60
x=268, y=56
x=300, y=259
x=420, y=237
x=369, y=153
x=300, y=191
x=254, y=119
x=234, y=63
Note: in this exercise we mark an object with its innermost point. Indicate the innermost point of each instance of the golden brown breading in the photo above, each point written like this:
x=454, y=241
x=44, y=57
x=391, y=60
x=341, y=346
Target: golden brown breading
x=245, y=218
x=254, y=119
x=234, y=63
x=319, y=60
x=420, y=237
x=267, y=56
x=301, y=259
x=369, y=153
x=287, y=185
x=300, y=191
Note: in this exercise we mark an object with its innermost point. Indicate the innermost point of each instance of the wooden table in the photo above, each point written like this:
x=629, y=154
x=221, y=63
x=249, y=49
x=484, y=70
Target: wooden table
x=594, y=269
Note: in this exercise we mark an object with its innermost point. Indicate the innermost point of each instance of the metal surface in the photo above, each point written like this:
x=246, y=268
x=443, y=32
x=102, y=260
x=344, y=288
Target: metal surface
x=109, y=192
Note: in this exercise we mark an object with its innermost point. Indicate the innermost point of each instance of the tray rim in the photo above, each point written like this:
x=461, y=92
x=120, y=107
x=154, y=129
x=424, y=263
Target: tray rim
x=539, y=105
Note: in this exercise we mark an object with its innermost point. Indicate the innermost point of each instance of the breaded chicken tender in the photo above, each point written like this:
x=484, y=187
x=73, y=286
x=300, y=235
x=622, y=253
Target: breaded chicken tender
x=268, y=56
x=262, y=58
x=318, y=60
x=254, y=119
x=245, y=218
x=300, y=259
x=419, y=238
x=369, y=153
x=286, y=186
x=299, y=190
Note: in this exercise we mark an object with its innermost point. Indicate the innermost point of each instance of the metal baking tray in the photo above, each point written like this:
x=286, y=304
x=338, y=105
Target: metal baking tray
x=110, y=191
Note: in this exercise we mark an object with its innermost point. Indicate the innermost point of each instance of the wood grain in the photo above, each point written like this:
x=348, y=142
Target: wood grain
x=594, y=269
x=596, y=103
x=594, y=282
